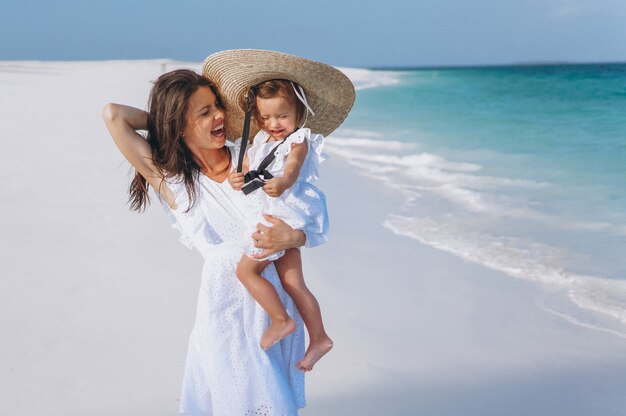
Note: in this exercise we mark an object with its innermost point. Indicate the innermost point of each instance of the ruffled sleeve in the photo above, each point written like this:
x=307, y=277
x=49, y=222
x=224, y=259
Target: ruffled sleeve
x=315, y=157
x=314, y=238
x=259, y=139
x=184, y=238
x=195, y=231
x=234, y=148
x=315, y=142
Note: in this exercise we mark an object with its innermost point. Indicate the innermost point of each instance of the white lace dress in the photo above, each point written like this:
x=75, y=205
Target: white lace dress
x=302, y=206
x=227, y=373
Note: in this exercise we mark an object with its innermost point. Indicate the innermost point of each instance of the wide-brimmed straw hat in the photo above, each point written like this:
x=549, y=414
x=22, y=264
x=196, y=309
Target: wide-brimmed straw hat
x=328, y=91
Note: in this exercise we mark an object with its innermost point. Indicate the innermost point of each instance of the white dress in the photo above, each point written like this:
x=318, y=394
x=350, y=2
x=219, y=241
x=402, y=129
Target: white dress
x=302, y=206
x=227, y=373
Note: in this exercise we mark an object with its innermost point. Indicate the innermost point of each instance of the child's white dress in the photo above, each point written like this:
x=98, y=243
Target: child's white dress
x=303, y=206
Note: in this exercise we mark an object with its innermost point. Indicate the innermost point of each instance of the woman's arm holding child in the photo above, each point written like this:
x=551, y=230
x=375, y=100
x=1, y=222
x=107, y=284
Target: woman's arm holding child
x=276, y=186
x=275, y=237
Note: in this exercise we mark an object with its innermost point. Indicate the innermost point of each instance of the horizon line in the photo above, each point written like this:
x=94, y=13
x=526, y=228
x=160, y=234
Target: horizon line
x=374, y=67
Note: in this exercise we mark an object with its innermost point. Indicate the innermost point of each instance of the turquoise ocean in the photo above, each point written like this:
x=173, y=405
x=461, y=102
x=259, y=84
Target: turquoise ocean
x=520, y=169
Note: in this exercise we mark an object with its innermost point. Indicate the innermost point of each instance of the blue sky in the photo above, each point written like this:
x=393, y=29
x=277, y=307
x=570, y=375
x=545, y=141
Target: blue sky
x=363, y=33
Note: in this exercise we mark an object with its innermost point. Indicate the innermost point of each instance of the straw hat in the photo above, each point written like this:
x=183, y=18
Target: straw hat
x=328, y=91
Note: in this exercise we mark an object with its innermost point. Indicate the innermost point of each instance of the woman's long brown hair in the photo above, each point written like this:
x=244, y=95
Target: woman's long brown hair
x=168, y=104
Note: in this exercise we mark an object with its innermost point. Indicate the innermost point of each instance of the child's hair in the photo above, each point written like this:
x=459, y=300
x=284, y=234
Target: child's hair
x=279, y=87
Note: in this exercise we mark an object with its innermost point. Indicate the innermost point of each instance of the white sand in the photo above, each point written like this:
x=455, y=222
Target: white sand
x=96, y=302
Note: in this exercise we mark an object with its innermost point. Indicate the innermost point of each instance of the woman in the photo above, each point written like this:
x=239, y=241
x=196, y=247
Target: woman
x=186, y=160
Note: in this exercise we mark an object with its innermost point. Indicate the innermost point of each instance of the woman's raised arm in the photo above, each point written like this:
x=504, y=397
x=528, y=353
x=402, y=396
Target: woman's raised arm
x=122, y=122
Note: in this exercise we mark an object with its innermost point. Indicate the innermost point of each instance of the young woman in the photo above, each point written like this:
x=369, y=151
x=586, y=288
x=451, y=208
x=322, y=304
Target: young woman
x=185, y=159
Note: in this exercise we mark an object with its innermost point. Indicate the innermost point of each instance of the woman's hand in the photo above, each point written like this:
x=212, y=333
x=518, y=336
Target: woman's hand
x=278, y=236
x=236, y=180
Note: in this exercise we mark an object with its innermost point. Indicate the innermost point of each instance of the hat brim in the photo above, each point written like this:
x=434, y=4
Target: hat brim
x=328, y=91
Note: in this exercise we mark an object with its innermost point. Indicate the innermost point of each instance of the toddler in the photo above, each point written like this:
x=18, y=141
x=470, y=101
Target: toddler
x=283, y=160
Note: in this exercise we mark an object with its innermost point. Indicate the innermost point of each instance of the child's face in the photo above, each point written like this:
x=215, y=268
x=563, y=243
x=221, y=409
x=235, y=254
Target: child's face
x=277, y=116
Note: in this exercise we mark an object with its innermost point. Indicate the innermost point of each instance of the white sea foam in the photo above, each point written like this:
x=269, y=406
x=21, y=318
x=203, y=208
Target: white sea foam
x=458, y=182
x=348, y=138
x=518, y=258
x=467, y=220
x=425, y=166
x=367, y=78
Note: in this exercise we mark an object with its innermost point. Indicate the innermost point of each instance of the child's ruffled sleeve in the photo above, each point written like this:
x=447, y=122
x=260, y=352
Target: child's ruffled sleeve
x=314, y=239
x=253, y=147
x=315, y=157
x=315, y=142
x=233, y=148
x=316, y=224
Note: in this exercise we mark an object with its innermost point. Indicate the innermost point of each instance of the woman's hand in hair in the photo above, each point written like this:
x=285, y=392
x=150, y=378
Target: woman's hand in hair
x=279, y=236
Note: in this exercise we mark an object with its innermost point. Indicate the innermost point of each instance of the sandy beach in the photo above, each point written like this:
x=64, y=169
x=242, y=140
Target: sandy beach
x=96, y=302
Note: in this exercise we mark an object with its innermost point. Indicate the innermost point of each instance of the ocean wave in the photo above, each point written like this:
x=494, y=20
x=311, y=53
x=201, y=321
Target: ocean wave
x=517, y=258
x=493, y=221
x=368, y=78
x=459, y=183
x=365, y=140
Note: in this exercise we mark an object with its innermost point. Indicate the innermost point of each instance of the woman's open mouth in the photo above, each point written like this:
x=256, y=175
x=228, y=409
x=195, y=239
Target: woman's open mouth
x=218, y=131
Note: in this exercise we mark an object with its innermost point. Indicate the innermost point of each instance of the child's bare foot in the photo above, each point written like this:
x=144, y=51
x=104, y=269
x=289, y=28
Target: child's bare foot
x=277, y=331
x=313, y=354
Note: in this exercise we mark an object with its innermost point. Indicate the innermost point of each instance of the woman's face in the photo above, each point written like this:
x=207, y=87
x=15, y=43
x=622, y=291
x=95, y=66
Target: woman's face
x=204, y=127
x=277, y=116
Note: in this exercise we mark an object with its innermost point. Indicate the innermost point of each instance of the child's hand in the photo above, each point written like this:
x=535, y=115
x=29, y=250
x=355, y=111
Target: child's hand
x=276, y=186
x=236, y=180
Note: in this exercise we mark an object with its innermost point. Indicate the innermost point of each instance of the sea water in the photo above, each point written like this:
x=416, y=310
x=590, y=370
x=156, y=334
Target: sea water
x=520, y=169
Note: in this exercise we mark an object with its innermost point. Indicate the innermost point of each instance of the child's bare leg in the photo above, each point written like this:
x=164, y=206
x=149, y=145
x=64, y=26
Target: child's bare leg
x=289, y=269
x=249, y=273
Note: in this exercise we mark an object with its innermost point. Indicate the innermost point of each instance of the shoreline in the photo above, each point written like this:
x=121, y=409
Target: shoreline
x=412, y=319
x=451, y=204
